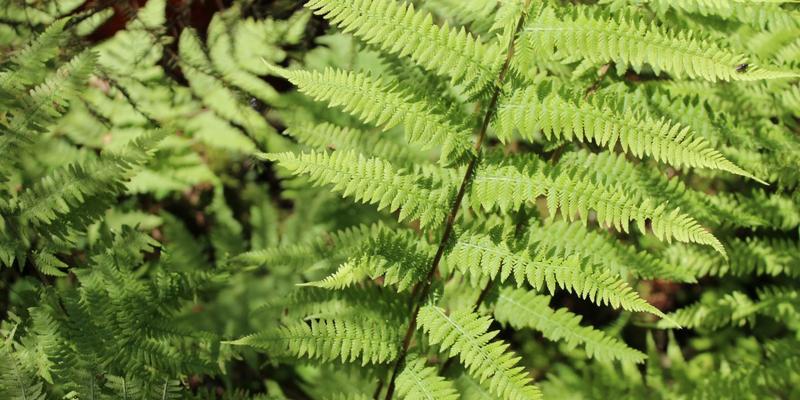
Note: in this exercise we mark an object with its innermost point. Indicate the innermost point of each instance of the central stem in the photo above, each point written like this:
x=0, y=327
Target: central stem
x=451, y=216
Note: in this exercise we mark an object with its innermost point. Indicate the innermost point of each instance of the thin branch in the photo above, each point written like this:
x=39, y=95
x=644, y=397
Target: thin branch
x=451, y=216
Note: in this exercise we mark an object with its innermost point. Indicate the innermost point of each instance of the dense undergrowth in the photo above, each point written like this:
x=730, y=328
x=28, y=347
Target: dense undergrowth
x=441, y=199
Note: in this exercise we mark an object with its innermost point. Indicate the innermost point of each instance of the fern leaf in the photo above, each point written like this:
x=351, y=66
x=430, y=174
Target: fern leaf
x=420, y=382
x=480, y=254
x=512, y=182
x=329, y=136
x=371, y=181
x=327, y=340
x=751, y=256
x=398, y=29
x=381, y=104
x=628, y=39
x=601, y=248
x=467, y=335
x=398, y=257
x=29, y=60
x=598, y=120
x=524, y=309
x=301, y=255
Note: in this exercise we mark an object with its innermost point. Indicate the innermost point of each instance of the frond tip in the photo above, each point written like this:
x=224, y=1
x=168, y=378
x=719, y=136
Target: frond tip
x=420, y=382
x=467, y=335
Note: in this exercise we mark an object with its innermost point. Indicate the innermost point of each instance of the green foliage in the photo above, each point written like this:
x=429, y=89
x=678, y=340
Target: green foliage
x=399, y=199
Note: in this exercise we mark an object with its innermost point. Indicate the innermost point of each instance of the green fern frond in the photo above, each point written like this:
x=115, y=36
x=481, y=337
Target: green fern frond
x=525, y=309
x=371, y=181
x=601, y=248
x=479, y=254
x=609, y=169
x=737, y=309
x=398, y=257
x=222, y=48
x=214, y=92
x=420, y=382
x=369, y=301
x=629, y=39
x=301, y=255
x=398, y=29
x=328, y=136
x=762, y=14
x=28, y=61
x=600, y=120
x=327, y=340
x=751, y=256
x=512, y=182
x=467, y=335
x=65, y=189
x=384, y=105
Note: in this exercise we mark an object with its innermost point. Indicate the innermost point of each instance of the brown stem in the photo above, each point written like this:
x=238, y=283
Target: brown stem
x=451, y=216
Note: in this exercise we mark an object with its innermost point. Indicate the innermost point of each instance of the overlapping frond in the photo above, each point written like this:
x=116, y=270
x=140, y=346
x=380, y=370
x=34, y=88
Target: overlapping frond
x=602, y=121
x=467, y=335
x=384, y=105
x=632, y=39
x=525, y=309
x=420, y=382
x=371, y=181
x=300, y=255
x=399, y=29
x=399, y=257
x=329, y=136
x=479, y=254
x=737, y=309
x=512, y=182
x=327, y=340
x=751, y=256
x=601, y=248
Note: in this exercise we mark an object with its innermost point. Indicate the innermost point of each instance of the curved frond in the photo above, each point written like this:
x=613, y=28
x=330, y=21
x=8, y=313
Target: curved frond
x=512, y=182
x=467, y=335
x=525, y=309
x=600, y=120
x=327, y=340
x=384, y=105
x=371, y=181
x=399, y=29
x=631, y=39
x=420, y=382
x=480, y=254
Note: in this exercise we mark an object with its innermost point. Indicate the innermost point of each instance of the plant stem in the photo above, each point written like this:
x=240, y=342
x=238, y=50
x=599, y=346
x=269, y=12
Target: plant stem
x=451, y=216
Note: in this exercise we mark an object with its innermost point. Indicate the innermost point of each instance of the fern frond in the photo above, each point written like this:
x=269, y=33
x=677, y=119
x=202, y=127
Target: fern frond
x=420, y=382
x=328, y=136
x=601, y=248
x=398, y=257
x=371, y=181
x=609, y=169
x=751, y=256
x=479, y=254
x=512, y=182
x=525, y=309
x=327, y=340
x=737, y=309
x=467, y=335
x=301, y=255
x=600, y=120
x=28, y=61
x=384, y=105
x=399, y=29
x=629, y=39
x=762, y=14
